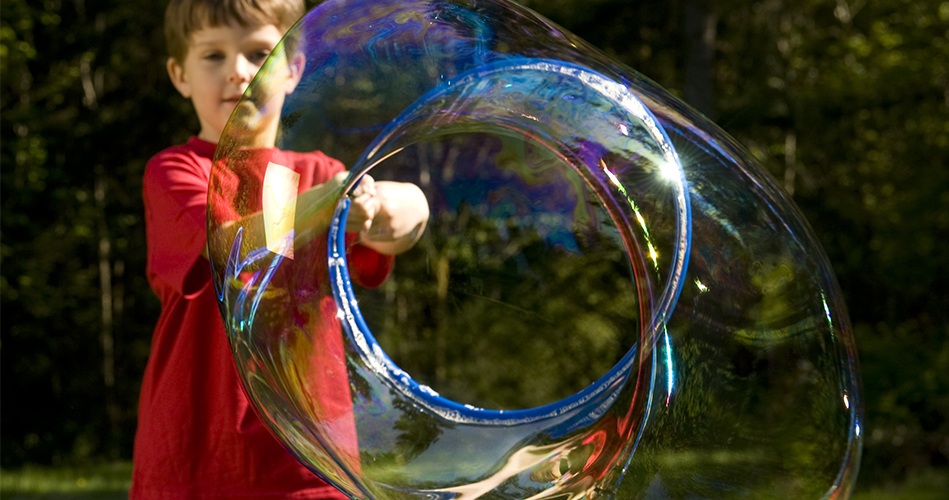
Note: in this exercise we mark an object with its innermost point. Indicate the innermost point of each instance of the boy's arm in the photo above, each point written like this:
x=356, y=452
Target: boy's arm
x=313, y=211
x=175, y=195
x=389, y=216
x=400, y=215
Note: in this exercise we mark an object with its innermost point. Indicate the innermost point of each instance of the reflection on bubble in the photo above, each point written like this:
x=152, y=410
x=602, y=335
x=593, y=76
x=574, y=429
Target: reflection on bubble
x=610, y=297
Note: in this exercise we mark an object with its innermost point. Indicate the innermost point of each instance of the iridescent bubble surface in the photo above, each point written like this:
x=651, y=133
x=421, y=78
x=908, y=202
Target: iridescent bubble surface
x=611, y=298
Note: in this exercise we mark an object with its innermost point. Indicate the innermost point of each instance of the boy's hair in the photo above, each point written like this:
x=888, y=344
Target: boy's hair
x=184, y=17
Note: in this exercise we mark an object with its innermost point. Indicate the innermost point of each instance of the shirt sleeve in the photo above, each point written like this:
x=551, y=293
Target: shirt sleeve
x=175, y=196
x=367, y=267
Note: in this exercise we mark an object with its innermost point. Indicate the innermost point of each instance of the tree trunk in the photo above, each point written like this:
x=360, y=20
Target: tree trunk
x=107, y=303
x=790, y=159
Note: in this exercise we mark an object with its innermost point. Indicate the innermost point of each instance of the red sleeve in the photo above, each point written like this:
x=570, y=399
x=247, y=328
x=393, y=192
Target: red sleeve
x=367, y=267
x=175, y=194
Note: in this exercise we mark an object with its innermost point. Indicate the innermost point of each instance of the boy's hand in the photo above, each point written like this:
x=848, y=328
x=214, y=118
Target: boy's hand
x=398, y=216
x=389, y=216
x=364, y=206
x=400, y=212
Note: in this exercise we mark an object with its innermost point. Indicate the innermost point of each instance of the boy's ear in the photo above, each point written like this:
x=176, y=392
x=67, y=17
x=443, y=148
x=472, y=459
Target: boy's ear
x=177, y=74
x=296, y=72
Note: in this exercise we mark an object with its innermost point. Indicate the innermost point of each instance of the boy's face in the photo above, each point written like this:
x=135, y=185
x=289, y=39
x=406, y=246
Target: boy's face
x=219, y=65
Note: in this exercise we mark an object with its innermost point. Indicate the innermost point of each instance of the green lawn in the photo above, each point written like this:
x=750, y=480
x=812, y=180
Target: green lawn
x=931, y=485
x=111, y=481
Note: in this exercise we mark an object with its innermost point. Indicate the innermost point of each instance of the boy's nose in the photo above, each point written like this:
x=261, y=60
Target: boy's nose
x=242, y=71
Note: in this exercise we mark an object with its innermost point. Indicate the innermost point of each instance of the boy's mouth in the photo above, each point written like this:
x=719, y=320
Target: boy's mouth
x=253, y=99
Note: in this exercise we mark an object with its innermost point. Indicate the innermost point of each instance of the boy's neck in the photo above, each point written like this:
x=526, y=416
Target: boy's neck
x=205, y=138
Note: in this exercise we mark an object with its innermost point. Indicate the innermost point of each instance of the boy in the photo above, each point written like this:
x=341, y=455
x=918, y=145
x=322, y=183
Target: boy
x=198, y=436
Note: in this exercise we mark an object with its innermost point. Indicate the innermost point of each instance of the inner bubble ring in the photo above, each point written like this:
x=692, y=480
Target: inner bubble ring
x=460, y=103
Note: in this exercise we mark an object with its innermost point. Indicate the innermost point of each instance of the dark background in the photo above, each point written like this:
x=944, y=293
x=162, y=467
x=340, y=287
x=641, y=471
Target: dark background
x=846, y=102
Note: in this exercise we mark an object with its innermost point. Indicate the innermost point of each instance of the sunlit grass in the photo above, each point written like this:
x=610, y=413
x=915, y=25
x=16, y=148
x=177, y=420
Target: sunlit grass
x=111, y=481
x=105, y=481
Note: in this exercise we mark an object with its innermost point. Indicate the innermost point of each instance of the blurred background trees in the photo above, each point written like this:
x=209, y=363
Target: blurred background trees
x=846, y=102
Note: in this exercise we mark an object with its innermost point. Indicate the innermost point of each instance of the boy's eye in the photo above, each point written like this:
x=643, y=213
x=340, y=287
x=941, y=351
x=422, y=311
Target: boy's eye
x=214, y=56
x=260, y=56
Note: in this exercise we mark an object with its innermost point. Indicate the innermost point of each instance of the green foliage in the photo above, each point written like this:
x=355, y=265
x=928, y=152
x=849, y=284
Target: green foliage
x=84, y=105
x=848, y=106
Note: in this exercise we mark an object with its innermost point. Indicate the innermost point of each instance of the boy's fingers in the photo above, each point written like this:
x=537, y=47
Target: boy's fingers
x=366, y=186
x=362, y=211
x=357, y=220
x=370, y=205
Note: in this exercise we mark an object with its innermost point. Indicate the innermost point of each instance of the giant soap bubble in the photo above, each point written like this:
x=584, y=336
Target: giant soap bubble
x=610, y=299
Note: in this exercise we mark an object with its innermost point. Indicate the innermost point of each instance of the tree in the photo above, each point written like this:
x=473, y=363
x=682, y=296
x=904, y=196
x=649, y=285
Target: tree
x=846, y=103
x=84, y=106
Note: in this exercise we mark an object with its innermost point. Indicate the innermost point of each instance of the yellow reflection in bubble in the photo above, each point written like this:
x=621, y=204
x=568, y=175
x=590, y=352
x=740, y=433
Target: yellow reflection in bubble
x=279, y=208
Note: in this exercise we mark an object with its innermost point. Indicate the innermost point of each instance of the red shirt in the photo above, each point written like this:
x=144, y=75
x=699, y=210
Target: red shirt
x=198, y=436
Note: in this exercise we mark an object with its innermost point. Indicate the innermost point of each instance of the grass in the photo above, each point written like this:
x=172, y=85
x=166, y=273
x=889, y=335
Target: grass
x=111, y=481
x=106, y=481
x=930, y=485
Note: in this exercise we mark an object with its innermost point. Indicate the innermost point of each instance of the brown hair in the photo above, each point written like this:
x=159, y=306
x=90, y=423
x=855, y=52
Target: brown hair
x=184, y=17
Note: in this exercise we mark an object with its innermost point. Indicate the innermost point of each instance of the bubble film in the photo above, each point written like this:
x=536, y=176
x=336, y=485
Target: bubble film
x=610, y=298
